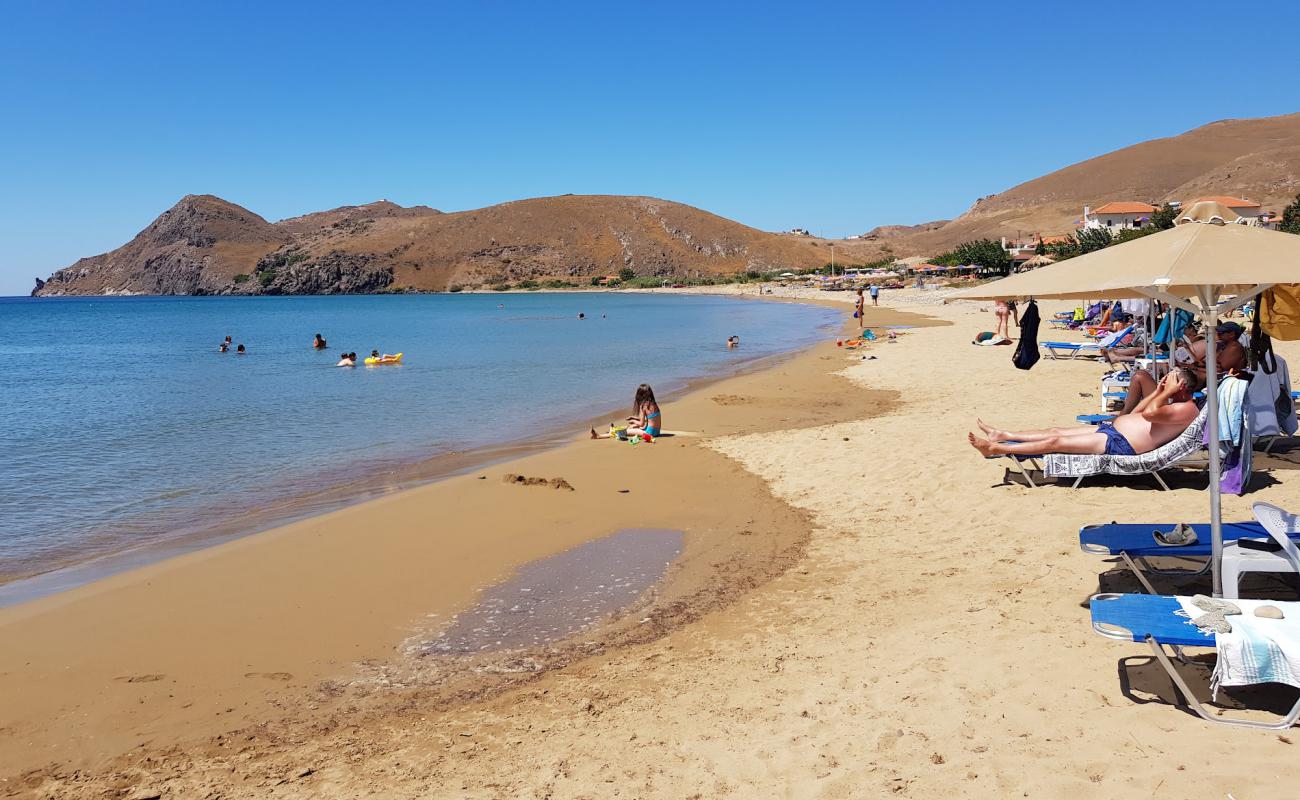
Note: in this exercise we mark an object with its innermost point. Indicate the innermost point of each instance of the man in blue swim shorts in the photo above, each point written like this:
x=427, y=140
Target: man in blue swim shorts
x=1157, y=420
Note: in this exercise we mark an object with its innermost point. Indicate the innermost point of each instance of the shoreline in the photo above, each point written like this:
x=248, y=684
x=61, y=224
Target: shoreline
x=81, y=619
x=348, y=489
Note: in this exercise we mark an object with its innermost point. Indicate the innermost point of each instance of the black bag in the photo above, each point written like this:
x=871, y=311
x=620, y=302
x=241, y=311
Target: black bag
x=1261, y=349
x=1027, y=354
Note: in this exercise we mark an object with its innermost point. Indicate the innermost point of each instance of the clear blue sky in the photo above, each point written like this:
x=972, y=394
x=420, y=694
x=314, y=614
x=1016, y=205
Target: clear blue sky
x=832, y=116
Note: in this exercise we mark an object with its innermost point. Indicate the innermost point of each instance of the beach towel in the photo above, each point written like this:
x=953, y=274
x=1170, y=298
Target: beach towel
x=1027, y=355
x=1257, y=650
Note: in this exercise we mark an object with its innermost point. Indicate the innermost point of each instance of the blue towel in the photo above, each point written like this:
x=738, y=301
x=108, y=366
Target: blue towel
x=1232, y=396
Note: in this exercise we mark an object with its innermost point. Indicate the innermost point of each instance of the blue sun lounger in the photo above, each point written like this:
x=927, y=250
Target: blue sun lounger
x=1160, y=622
x=1135, y=543
x=1057, y=349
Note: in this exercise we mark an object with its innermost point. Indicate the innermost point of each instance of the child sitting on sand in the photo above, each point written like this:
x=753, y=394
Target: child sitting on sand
x=647, y=418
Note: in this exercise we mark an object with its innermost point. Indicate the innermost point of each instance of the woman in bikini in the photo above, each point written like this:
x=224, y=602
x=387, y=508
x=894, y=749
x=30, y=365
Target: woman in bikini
x=1003, y=329
x=647, y=418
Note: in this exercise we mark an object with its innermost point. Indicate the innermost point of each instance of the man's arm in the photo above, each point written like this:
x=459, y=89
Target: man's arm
x=1153, y=401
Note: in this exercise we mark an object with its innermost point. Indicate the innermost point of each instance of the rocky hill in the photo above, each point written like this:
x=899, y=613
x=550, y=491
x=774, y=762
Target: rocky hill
x=206, y=245
x=1255, y=158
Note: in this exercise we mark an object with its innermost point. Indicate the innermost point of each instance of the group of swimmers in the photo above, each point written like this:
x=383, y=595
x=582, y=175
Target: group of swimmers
x=225, y=346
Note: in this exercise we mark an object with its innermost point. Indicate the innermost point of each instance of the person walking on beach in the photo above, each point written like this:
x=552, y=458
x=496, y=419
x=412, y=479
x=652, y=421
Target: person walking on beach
x=859, y=309
x=875, y=295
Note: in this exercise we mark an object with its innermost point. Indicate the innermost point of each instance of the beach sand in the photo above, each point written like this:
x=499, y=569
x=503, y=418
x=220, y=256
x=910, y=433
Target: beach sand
x=863, y=608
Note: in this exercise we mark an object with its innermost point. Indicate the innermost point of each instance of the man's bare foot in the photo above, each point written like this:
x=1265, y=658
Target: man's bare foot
x=983, y=445
x=594, y=435
x=993, y=433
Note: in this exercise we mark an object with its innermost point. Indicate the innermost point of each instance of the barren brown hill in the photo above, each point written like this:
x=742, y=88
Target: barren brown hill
x=1255, y=158
x=195, y=247
x=205, y=245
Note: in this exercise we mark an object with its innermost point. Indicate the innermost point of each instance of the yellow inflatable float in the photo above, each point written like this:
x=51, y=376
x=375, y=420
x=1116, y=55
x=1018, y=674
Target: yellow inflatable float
x=371, y=361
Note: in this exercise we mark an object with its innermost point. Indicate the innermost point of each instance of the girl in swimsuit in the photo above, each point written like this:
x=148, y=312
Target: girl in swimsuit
x=647, y=418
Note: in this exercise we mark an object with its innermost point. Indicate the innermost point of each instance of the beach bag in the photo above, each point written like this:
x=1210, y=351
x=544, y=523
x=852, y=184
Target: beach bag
x=1027, y=355
x=1279, y=312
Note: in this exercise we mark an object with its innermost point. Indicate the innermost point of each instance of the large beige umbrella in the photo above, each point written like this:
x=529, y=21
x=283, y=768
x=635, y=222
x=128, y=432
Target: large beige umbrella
x=1189, y=266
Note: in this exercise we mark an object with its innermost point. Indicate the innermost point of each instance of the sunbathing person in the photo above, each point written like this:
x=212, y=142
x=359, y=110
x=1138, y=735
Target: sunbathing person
x=1157, y=420
x=1229, y=356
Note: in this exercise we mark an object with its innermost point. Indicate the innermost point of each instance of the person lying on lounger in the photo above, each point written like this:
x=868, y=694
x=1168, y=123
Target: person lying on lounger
x=1157, y=420
x=1231, y=356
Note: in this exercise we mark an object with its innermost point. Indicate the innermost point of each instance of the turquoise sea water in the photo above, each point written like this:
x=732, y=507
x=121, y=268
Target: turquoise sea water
x=124, y=427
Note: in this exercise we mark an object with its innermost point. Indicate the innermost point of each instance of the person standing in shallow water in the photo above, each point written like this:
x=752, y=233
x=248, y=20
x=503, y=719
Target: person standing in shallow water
x=318, y=343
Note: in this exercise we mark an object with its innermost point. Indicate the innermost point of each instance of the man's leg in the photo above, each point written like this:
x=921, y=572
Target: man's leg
x=1140, y=385
x=1091, y=444
x=999, y=435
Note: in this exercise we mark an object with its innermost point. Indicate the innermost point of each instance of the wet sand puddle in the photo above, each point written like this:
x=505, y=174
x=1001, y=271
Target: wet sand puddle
x=558, y=596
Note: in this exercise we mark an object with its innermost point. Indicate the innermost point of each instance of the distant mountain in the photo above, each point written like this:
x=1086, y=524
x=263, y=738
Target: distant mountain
x=206, y=245
x=1254, y=158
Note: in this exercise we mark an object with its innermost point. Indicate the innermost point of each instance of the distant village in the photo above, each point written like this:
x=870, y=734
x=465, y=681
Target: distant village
x=1106, y=223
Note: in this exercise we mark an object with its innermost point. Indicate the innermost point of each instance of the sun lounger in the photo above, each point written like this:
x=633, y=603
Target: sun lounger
x=1161, y=623
x=1135, y=544
x=1068, y=351
x=1080, y=466
x=1018, y=466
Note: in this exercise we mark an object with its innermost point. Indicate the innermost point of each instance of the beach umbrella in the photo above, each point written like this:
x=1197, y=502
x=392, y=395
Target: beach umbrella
x=1190, y=266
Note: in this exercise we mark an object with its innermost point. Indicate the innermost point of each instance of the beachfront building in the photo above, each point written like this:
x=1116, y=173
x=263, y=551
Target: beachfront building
x=1116, y=216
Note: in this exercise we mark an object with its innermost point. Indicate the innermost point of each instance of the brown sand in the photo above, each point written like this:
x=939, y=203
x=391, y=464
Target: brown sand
x=927, y=638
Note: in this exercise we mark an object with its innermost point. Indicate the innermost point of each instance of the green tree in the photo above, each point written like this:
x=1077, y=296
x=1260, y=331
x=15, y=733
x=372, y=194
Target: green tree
x=1291, y=217
x=1091, y=239
x=626, y=274
x=1163, y=218
x=980, y=252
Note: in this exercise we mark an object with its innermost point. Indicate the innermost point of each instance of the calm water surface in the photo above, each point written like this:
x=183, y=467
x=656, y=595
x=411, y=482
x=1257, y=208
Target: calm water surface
x=123, y=425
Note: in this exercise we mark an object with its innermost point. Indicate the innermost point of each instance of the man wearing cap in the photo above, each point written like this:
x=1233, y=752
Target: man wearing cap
x=1229, y=356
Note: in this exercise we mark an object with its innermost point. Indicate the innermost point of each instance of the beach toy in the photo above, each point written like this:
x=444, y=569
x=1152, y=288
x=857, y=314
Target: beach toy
x=371, y=361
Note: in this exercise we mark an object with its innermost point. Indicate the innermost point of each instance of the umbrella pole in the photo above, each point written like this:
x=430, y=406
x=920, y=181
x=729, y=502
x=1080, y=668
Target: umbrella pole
x=1209, y=305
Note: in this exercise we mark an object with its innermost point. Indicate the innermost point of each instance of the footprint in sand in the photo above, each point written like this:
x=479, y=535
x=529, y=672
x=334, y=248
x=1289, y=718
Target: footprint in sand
x=140, y=678
x=270, y=676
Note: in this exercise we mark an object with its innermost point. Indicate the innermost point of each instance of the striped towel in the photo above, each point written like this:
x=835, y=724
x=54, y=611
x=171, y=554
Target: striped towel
x=1258, y=650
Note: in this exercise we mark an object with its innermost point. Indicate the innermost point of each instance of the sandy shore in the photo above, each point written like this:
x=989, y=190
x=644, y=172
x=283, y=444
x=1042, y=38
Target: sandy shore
x=863, y=608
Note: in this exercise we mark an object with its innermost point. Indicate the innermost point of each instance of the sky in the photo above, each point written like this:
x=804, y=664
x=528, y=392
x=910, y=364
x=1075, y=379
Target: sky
x=833, y=116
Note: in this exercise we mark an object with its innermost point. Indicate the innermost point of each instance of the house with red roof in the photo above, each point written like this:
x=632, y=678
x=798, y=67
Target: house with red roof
x=1117, y=215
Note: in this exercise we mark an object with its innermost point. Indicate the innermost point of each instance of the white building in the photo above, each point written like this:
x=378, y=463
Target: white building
x=1116, y=216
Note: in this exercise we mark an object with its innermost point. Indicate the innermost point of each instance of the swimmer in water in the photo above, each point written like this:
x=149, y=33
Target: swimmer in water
x=347, y=360
x=318, y=343
x=241, y=351
x=733, y=342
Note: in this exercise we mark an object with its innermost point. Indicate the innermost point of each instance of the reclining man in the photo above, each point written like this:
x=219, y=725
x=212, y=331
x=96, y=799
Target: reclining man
x=1230, y=356
x=1157, y=420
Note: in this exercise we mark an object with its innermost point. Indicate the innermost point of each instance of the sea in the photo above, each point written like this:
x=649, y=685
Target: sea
x=127, y=436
